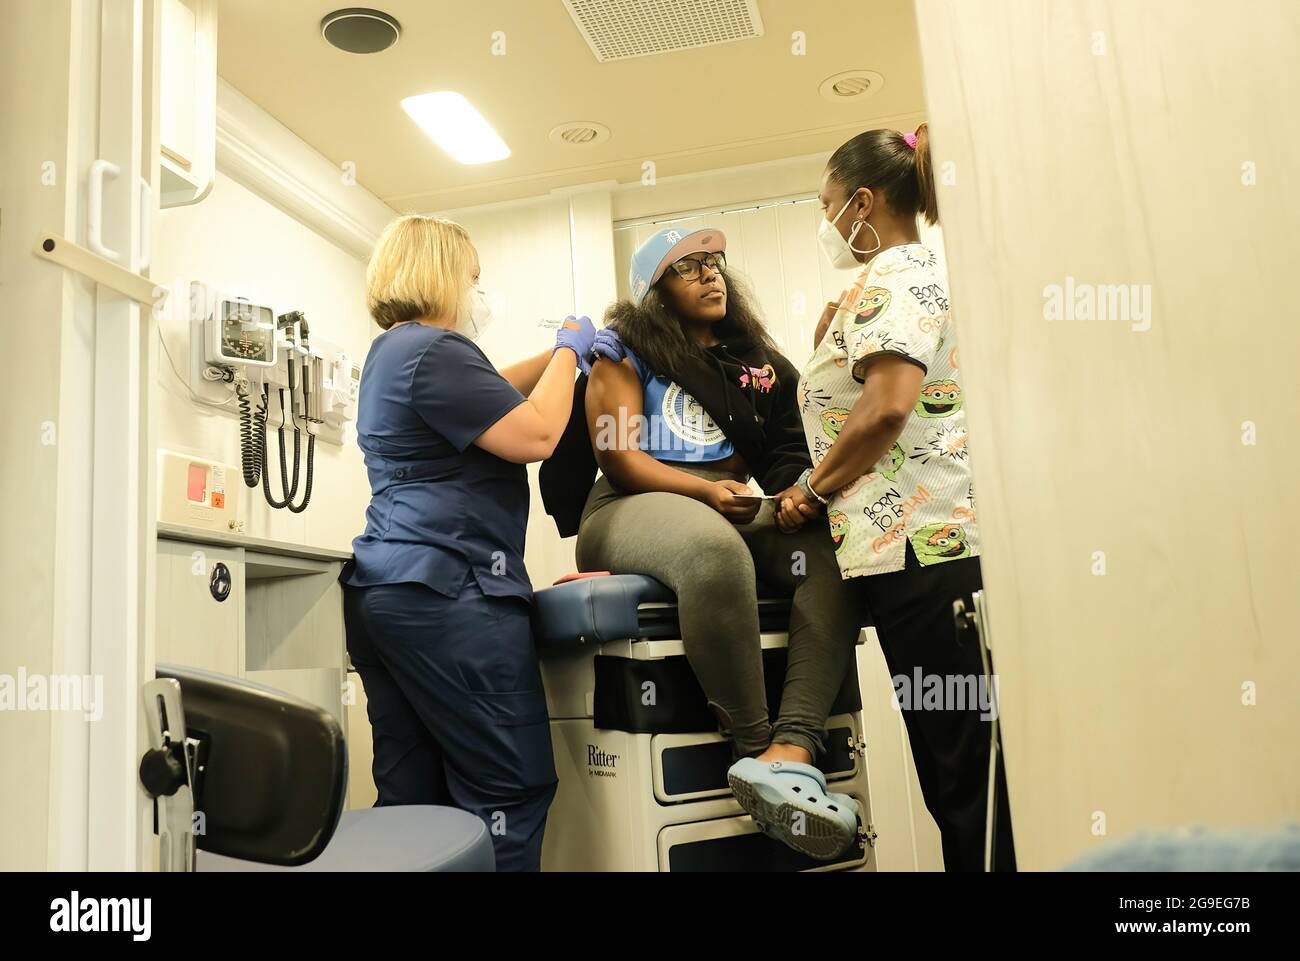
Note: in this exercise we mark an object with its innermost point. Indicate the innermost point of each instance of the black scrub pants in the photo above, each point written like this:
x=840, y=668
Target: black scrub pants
x=456, y=708
x=912, y=613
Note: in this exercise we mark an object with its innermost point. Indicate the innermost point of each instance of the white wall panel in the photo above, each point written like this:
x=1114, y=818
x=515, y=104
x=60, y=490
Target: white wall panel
x=526, y=256
x=236, y=241
x=1136, y=482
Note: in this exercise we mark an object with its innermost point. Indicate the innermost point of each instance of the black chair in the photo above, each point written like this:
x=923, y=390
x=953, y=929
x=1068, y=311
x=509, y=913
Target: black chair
x=255, y=779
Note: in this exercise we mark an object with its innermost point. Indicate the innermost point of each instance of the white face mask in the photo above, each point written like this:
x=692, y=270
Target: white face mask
x=839, y=251
x=475, y=314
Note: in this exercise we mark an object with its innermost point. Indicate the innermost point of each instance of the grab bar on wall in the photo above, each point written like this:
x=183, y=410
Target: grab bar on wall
x=65, y=253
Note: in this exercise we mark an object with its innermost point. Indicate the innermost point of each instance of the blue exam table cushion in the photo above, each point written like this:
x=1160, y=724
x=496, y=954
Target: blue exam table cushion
x=416, y=838
x=616, y=607
x=594, y=610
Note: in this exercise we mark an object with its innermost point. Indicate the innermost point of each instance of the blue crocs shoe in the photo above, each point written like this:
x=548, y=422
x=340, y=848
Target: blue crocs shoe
x=789, y=802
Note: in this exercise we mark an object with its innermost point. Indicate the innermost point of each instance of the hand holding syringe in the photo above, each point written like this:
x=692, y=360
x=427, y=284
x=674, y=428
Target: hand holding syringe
x=606, y=343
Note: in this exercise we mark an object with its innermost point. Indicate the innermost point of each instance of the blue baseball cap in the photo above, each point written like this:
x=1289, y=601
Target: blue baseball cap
x=665, y=247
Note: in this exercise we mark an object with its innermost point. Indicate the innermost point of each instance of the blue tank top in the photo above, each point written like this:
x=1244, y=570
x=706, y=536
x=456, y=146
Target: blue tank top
x=677, y=428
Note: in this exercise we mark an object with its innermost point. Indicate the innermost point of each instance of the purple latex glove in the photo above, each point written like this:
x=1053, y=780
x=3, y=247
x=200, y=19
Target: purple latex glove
x=608, y=345
x=577, y=334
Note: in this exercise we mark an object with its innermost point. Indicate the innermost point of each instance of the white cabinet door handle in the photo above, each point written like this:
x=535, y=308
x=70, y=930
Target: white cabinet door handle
x=95, y=211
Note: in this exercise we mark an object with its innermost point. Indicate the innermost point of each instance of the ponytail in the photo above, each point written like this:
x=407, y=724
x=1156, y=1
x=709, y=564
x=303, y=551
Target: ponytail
x=927, y=202
x=896, y=164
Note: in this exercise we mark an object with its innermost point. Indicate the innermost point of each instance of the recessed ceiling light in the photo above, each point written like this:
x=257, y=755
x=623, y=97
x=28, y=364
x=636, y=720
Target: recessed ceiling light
x=360, y=30
x=851, y=85
x=455, y=126
x=580, y=133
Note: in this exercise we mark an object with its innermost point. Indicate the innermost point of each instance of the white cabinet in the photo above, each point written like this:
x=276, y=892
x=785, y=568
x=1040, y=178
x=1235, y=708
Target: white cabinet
x=187, y=122
x=247, y=609
x=199, y=621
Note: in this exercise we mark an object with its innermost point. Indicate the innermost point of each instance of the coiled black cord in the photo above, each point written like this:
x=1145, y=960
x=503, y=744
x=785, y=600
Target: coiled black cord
x=252, y=436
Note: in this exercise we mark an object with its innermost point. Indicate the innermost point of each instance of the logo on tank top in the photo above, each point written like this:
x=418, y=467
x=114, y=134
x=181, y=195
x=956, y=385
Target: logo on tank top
x=688, y=419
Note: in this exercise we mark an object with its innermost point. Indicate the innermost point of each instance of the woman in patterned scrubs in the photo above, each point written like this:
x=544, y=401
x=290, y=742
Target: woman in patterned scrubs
x=882, y=407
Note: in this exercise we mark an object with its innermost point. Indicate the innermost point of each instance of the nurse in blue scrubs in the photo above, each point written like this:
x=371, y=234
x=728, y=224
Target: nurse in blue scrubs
x=436, y=599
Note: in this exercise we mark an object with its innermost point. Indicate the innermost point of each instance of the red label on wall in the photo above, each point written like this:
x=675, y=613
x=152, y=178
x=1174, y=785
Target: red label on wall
x=198, y=484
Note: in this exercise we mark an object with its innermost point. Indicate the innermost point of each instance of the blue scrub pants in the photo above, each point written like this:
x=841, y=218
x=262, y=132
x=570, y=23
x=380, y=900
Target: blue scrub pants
x=456, y=708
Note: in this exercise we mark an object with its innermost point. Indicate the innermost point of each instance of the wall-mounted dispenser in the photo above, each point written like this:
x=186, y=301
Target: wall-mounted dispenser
x=193, y=492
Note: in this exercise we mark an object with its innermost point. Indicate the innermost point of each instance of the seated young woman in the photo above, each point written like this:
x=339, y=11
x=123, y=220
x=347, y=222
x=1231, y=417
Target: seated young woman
x=688, y=399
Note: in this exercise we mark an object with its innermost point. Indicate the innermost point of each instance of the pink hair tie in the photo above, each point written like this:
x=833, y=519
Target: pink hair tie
x=910, y=140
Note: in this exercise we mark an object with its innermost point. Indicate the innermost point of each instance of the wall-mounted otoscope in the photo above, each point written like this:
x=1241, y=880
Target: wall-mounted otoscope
x=249, y=348
x=300, y=374
x=276, y=371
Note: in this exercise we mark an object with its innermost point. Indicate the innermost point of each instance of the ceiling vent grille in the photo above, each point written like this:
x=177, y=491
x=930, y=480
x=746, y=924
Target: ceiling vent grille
x=622, y=29
x=851, y=85
x=583, y=133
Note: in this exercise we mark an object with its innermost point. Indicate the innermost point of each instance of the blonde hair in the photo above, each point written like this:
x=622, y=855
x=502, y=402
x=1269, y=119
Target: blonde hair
x=420, y=268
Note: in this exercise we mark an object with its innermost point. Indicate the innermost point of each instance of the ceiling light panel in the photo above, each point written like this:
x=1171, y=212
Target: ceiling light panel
x=454, y=125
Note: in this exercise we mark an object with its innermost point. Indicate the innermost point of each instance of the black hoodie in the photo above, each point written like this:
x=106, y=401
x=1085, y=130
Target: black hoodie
x=751, y=394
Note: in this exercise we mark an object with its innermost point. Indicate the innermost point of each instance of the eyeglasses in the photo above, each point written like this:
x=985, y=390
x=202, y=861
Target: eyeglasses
x=688, y=268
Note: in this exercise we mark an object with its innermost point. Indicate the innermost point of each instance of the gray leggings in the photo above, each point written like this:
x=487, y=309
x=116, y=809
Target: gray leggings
x=712, y=565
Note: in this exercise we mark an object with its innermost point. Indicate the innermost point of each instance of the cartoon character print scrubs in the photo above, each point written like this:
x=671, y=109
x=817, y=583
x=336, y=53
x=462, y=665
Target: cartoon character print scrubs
x=920, y=491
